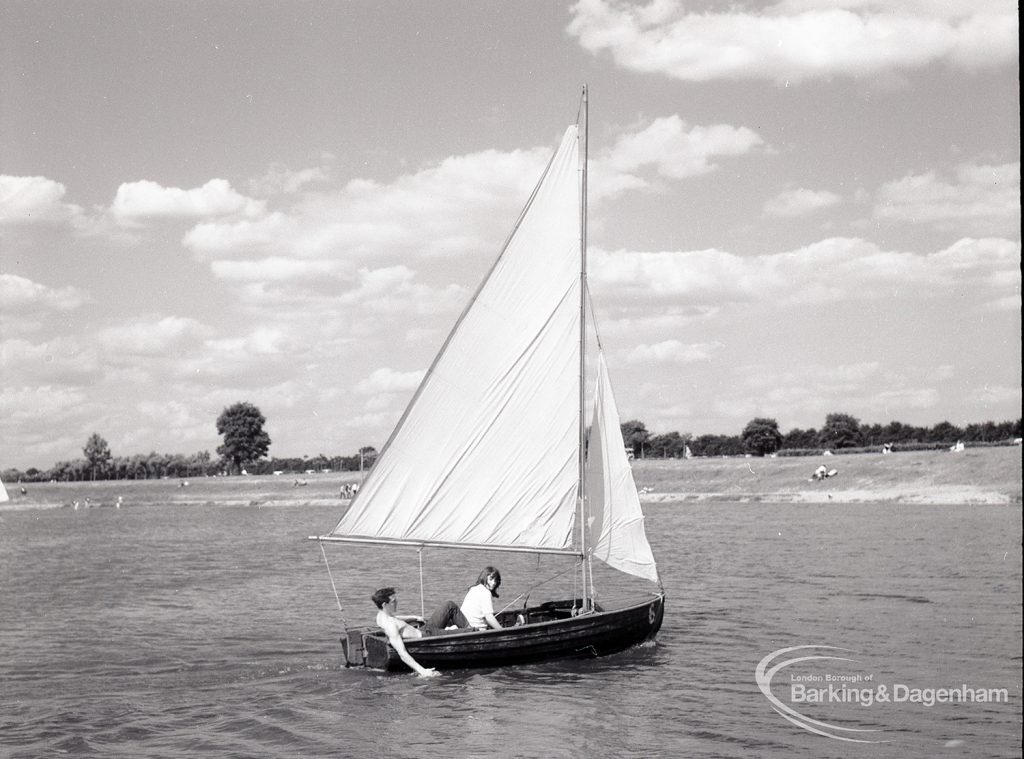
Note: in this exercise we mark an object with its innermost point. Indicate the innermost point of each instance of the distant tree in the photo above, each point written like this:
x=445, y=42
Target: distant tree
x=244, y=438
x=871, y=434
x=671, y=445
x=761, y=436
x=840, y=431
x=798, y=438
x=895, y=432
x=635, y=436
x=97, y=453
x=984, y=433
x=200, y=462
x=717, y=445
x=70, y=471
x=368, y=455
x=945, y=432
x=319, y=462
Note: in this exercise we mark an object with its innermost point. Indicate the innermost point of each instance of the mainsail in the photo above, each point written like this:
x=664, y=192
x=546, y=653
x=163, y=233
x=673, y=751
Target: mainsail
x=487, y=451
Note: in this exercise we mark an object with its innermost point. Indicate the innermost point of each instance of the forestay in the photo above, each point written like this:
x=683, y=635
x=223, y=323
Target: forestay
x=487, y=451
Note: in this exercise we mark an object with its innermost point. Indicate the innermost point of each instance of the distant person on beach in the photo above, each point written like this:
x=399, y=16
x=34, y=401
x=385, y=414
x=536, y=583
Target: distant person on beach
x=478, y=605
x=823, y=473
x=398, y=630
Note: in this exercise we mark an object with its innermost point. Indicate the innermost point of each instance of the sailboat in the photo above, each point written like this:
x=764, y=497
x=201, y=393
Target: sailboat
x=497, y=451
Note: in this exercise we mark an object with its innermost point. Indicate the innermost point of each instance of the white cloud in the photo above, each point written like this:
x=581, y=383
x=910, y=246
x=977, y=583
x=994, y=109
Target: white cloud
x=672, y=352
x=262, y=341
x=445, y=209
x=274, y=269
x=251, y=360
x=800, y=395
x=258, y=237
x=800, y=202
x=779, y=387
x=981, y=256
x=138, y=202
x=825, y=271
x=984, y=199
x=19, y=295
x=790, y=42
x=33, y=200
x=171, y=414
x=33, y=407
x=152, y=336
x=280, y=180
x=59, y=361
x=393, y=290
x=885, y=402
x=387, y=389
x=635, y=318
x=370, y=421
x=385, y=380
x=989, y=395
x=676, y=149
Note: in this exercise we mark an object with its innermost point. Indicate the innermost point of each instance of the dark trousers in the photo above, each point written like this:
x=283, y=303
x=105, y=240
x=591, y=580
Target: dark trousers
x=447, y=615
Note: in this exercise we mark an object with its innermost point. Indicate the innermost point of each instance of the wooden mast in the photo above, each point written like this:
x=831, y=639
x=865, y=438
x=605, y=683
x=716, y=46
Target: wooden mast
x=583, y=351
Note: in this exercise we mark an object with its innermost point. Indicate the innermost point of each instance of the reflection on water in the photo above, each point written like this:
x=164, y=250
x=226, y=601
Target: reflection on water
x=182, y=631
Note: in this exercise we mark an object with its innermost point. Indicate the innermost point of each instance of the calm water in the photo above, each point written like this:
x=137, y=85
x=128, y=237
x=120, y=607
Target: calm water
x=211, y=631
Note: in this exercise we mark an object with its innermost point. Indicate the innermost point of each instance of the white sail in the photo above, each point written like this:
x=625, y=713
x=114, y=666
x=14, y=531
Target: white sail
x=615, y=519
x=3, y=493
x=487, y=452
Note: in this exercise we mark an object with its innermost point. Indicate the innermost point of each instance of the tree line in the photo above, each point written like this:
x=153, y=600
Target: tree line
x=246, y=446
x=155, y=466
x=244, y=450
x=840, y=432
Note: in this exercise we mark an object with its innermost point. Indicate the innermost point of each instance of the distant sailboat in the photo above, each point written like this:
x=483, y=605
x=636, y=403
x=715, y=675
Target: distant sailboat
x=496, y=450
x=3, y=493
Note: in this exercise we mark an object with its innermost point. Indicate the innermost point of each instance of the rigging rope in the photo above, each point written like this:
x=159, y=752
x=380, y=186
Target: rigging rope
x=579, y=563
x=333, y=586
x=423, y=612
x=533, y=587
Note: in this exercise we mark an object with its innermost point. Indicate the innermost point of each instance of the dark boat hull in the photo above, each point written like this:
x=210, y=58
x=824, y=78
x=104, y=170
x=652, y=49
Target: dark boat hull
x=550, y=632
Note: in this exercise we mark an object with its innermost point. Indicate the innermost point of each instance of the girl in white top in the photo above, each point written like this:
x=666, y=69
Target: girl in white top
x=478, y=606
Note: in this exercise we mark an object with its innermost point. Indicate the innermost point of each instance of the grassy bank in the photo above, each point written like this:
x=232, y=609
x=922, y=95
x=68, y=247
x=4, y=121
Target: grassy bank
x=211, y=491
x=975, y=476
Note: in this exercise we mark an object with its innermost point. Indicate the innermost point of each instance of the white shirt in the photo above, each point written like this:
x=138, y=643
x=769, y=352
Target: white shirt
x=477, y=605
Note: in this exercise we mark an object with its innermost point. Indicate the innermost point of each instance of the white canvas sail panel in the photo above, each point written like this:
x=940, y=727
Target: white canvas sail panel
x=615, y=519
x=487, y=452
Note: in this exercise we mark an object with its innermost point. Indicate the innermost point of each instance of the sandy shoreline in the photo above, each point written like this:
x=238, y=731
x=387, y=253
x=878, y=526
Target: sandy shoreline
x=937, y=496
x=951, y=496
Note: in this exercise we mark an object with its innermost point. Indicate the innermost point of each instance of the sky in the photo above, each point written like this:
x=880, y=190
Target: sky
x=796, y=209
